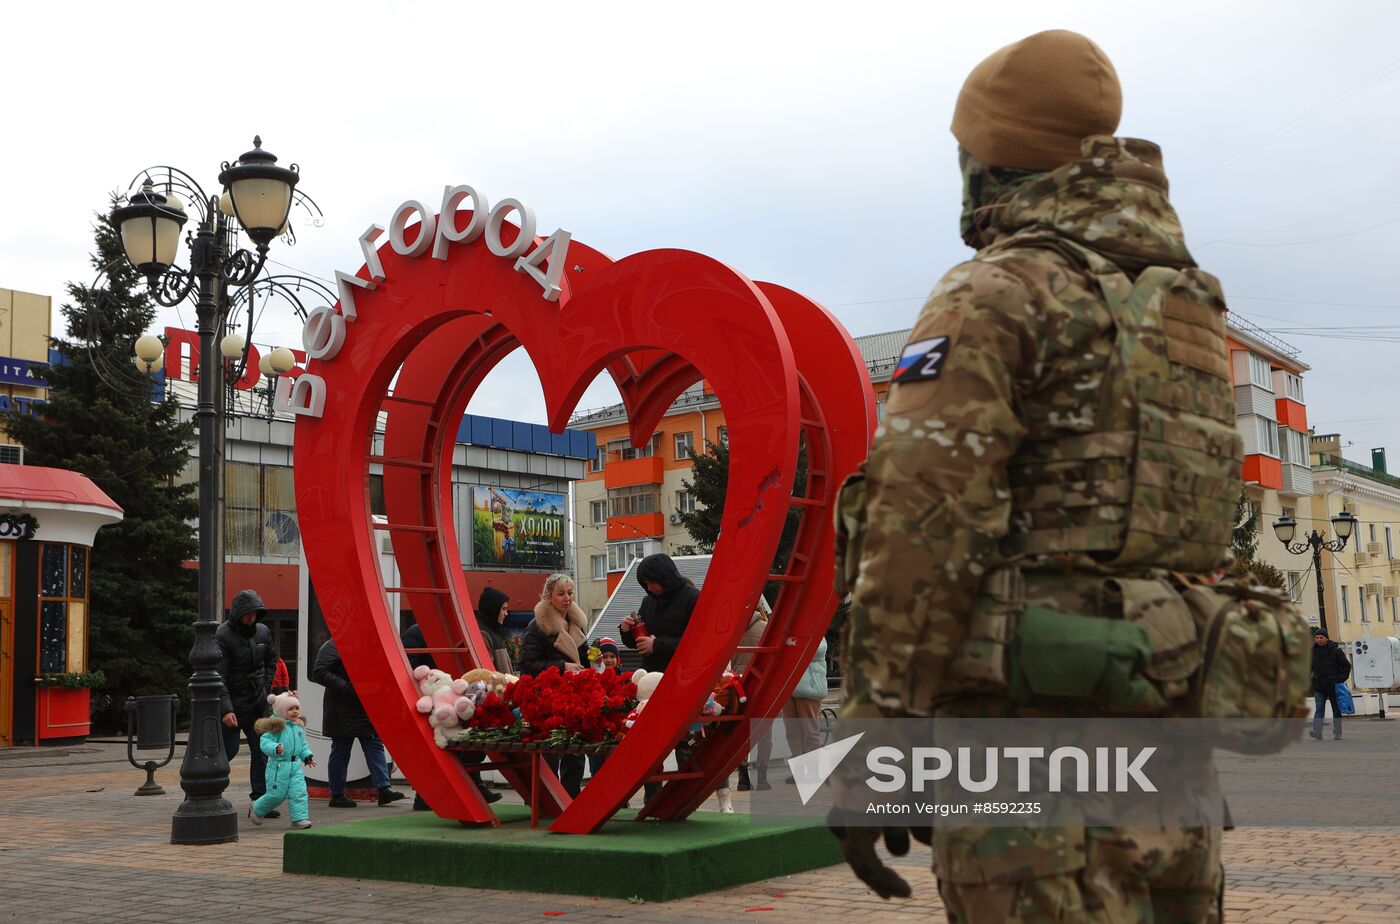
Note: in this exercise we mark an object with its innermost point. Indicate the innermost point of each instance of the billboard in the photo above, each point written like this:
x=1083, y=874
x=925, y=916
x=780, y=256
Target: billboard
x=517, y=529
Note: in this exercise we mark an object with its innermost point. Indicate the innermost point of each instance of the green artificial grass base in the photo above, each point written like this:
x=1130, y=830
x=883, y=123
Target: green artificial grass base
x=656, y=861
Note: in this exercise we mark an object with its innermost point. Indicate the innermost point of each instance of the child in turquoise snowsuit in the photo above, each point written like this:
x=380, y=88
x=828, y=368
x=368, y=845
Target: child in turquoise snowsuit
x=283, y=740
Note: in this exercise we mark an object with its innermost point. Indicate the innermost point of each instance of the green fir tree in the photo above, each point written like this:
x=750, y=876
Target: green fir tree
x=100, y=420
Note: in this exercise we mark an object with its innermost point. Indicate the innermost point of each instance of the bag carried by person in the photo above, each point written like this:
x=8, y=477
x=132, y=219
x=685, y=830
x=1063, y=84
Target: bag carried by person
x=1344, y=700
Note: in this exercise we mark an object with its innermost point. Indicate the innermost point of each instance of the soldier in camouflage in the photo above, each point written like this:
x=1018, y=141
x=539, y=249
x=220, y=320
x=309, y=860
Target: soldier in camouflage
x=1053, y=437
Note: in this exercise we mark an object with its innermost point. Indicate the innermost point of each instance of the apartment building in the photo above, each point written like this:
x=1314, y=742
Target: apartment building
x=1272, y=415
x=629, y=504
x=1361, y=583
x=24, y=358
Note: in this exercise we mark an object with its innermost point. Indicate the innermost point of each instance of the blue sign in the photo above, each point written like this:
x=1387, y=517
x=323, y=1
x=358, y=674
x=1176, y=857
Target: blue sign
x=31, y=372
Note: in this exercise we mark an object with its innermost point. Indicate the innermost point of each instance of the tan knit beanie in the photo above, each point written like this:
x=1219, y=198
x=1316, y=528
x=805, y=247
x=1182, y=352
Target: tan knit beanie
x=1029, y=104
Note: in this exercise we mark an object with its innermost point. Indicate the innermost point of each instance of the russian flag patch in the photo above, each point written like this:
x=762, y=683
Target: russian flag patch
x=921, y=360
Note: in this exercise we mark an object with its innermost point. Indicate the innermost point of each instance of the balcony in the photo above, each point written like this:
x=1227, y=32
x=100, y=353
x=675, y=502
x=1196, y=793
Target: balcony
x=1291, y=414
x=1297, y=480
x=624, y=474
x=636, y=526
x=1266, y=471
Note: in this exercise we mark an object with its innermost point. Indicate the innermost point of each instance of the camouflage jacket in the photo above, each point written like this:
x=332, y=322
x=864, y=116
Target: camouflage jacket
x=1010, y=351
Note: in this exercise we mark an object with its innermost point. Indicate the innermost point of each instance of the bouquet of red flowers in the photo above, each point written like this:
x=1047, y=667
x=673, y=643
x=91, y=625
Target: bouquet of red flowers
x=574, y=708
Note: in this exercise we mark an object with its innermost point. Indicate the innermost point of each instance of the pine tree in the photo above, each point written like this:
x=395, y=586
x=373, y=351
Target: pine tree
x=1244, y=543
x=101, y=421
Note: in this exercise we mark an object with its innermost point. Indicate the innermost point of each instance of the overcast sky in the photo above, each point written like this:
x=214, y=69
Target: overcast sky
x=802, y=144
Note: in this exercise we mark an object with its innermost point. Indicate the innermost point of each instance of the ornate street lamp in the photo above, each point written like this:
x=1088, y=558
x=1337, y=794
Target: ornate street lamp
x=258, y=196
x=1285, y=528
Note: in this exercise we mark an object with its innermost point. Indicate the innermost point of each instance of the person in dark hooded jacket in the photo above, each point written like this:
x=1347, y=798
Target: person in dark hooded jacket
x=247, y=663
x=1329, y=668
x=665, y=612
x=343, y=721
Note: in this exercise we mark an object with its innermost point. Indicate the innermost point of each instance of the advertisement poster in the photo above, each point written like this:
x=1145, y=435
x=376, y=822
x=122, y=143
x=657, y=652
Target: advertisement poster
x=517, y=529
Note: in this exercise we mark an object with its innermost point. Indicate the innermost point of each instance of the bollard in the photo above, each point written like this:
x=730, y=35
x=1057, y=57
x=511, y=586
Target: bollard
x=150, y=724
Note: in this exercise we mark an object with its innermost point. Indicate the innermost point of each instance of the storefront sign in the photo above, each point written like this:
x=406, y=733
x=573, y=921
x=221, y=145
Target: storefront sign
x=18, y=526
x=31, y=372
x=517, y=529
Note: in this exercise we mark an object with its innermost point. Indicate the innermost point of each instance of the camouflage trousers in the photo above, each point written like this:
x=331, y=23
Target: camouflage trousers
x=1096, y=875
x=1099, y=875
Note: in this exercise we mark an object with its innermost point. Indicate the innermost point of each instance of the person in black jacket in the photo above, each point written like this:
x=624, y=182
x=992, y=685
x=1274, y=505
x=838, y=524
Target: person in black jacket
x=665, y=612
x=247, y=662
x=556, y=638
x=343, y=721
x=1329, y=668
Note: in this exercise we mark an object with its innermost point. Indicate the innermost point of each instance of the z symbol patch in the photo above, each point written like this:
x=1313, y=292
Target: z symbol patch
x=921, y=360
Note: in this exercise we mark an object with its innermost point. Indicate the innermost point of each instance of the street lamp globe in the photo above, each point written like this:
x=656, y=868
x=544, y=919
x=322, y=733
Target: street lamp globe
x=1342, y=524
x=150, y=229
x=1285, y=527
x=149, y=348
x=259, y=193
x=148, y=366
x=281, y=360
x=231, y=347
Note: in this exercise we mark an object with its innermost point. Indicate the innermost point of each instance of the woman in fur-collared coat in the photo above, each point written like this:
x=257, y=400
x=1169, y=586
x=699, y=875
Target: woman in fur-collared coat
x=555, y=638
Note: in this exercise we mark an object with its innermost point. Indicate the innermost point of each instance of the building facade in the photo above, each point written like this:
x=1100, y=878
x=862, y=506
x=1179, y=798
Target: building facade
x=1271, y=411
x=25, y=320
x=1361, y=583
x=629, y=504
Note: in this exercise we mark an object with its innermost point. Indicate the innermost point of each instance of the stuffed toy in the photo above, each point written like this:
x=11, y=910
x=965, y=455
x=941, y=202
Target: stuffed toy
x=729, y=693
x=495, y=681
x=647, y=682
x=440, y=696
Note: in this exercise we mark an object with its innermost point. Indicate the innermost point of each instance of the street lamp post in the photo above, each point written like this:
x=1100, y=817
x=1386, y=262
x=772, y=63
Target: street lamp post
x=1342, y=524
x=257, y=199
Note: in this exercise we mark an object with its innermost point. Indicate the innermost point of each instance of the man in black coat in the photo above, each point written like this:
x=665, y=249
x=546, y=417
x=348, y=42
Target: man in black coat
x=665, y=612
x=343, y=721
x=1329, y=668
x=247, y=661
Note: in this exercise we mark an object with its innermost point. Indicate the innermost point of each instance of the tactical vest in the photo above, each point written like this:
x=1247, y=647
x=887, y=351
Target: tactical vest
x=1155, y=484
x=1148, y=496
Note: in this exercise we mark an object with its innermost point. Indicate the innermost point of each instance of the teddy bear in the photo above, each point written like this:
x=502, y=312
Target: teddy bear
x=647, y=682
x=442, y=697
x=495, y=680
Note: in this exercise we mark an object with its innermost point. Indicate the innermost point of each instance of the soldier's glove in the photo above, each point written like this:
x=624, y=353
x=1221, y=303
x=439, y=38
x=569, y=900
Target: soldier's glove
x=858, y=847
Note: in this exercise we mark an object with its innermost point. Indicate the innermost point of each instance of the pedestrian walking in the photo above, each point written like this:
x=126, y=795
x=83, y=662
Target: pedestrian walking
x=1330, y=667
x=345, y=722
x=283, y=742
x=247, y=665
x=761, y=730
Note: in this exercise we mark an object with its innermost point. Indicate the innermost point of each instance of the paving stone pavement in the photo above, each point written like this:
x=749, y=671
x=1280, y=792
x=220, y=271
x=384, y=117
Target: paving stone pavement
x=76, y=845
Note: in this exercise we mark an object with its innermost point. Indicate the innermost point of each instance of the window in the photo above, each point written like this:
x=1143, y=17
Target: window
x=1286, y=512
x=1389, y=549
x=63, y=623
x=1361, y=599
x=685, y=502
x=622, y=554
x=634, y=499
x=598, y=512
x=1293, y=446
x=685, y=445
x=1260, y=373
x=724, y=437
x=260, y=510
x=628, y=451
x=1346, y=605
x=1295, y=585
x=600, y=457
x=1266, y=434
x=1393, y=617
x=12, y=455
x=1373, y=532
x=1292, y=387
x=599, y=565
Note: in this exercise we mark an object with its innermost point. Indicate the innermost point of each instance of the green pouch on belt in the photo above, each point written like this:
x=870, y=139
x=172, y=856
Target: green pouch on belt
x=1094, y=661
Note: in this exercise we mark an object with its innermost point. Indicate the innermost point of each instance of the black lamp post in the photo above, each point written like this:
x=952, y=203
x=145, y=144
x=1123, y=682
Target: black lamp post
x=257, y=200
x=1342, y=524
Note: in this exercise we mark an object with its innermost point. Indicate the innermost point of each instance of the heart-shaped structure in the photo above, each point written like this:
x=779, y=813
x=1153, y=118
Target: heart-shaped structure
x=783, y=369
